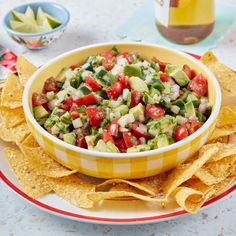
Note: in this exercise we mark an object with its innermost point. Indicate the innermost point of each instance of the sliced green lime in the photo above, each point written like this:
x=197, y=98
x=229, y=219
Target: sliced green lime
x=26, y=27
x=52, y=20
x=42, y=20
x=22, y=17
x=30, y=13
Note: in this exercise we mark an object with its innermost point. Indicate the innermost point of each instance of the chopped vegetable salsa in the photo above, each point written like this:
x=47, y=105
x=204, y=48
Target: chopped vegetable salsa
x=120, y=102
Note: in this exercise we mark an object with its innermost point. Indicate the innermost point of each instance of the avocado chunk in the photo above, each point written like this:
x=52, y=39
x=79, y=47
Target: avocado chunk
x=49, y=123
x=162, y=140
x=123, y=109
x=112, y=147
x=164, y=124
x=132, y=70
x=106, y=147
x=189, y=108
x=138, y=84
x=157, y=84
x=153, y=98
x=191, y=97
x=64, y=74
x=55, y=129
x=170, y=68
x=137, y=111
x=181, y=101
x=66, y=119
x=40, y=112
x=70, y=138
x=139, y=148
x=90, y=140
x=180, y=77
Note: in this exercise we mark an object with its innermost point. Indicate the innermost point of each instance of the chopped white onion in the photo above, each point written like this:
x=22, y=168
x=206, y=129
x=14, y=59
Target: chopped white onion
x=125, y=94
x=202, y=107
x=77, y=123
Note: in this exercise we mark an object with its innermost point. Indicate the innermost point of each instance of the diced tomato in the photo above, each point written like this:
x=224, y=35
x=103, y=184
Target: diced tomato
x=199, y=85
x=162, y=65
x=66, y=104
x=181, y=132
x=120, y=143
x=113, y=128
x=80, y=141
x=106, y=136
x=172, y=82
x=130, y=139
x=124, y=80
x=95, y=116
x=164, y=77
x=73, y=107
x=108, y=54
x=50, y=85
x=181, y=93
x=139, y=130
x=74, y=115
x=109, y=62
x=9, y=56
x=39, y=99
x=127, y=56
x=193, y=125
x=89, y=99
x=74, y=67
x=115, y=90
x=92, y=83
x=189, y=72
x=154, y=111
x=136, y=98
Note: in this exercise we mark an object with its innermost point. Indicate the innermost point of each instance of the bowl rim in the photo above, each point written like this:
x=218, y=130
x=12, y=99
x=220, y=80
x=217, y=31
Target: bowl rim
x=178, y=144
x=20, y=34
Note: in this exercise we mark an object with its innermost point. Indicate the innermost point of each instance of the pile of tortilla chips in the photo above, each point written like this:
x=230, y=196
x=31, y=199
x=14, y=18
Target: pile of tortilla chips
x=190, y=184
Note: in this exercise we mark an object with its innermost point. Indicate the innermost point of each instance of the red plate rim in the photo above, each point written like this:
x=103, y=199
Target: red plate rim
x=94, y=219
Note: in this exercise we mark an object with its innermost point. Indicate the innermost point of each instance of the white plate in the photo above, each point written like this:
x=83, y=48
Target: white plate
x=111, y=212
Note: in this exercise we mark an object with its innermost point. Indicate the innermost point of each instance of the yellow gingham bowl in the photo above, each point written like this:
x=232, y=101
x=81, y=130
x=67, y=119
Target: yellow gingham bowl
x=120, y=165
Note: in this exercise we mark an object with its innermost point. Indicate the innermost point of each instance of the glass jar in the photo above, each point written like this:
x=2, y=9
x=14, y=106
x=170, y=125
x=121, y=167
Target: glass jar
x=185, y=21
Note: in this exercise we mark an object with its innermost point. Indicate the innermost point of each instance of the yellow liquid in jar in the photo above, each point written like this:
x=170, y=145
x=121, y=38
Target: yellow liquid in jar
x=189, y=22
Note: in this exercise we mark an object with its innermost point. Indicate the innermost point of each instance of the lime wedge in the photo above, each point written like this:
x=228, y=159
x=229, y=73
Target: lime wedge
x=26, y=27
x=23, y=18
x=30, y=13
x=52, y=20
x=42, y=20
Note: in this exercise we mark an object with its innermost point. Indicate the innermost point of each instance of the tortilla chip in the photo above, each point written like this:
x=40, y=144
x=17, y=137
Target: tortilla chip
x=34, y=185
x=44, y=164
x=12, y=117
x=185, y=171
x=232, y=139
x=154, y=183
x=100, y=196
x=222, y=132
x=5, y=134
x=16, y=134
x=189, y=199
x=25, y=69
x=216, y=172
x=108, y=184
x=12, y=92
x=218, y=188
x=226, y=117
x=73, y=189
x=30, y=141
x=225, y=76
x=224, y=151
